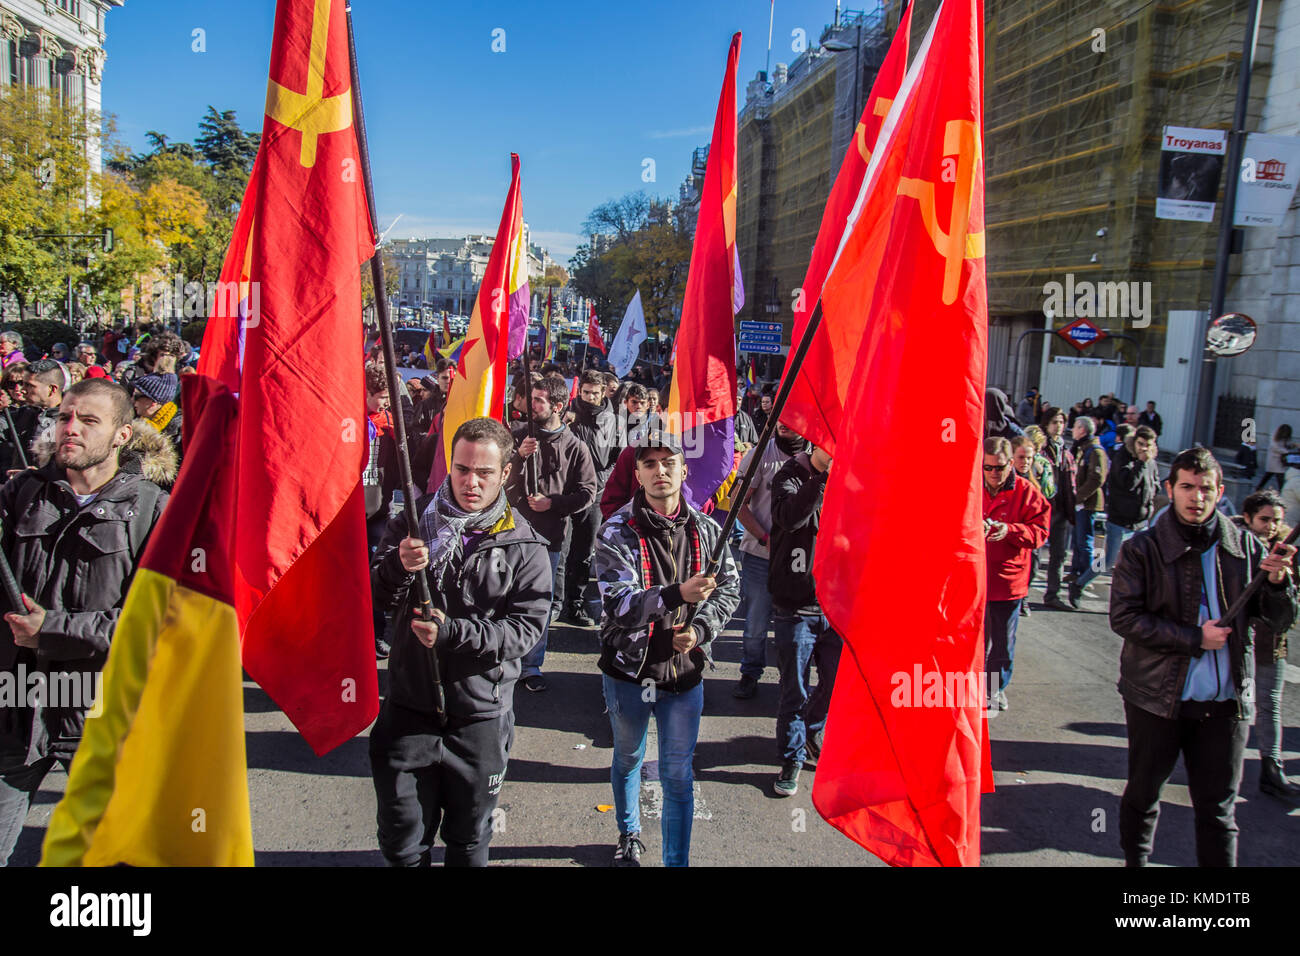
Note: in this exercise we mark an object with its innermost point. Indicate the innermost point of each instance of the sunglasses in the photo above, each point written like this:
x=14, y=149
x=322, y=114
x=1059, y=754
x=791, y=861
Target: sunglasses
x=997, y=467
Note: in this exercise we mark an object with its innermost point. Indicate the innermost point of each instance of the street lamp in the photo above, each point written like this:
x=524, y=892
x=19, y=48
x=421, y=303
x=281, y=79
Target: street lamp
x=836, y=45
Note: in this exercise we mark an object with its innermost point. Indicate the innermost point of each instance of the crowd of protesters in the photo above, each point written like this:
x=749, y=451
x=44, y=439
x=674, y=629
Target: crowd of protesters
x=573, y=509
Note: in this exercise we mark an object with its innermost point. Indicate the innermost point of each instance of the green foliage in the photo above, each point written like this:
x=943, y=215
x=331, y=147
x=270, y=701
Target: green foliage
x=39, y=335
x=172, y=209
x=644, y=246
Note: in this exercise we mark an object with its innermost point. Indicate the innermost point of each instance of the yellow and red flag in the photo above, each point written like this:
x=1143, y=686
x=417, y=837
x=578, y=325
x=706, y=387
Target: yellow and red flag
x=702, y=400
x=301, y=583
x=500, y=317
x=594, y=339
x=816, y=399
x=905, y=756
x=160, y=777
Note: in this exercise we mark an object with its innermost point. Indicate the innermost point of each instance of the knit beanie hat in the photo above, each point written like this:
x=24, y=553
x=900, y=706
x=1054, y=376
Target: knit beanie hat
x=159, y=386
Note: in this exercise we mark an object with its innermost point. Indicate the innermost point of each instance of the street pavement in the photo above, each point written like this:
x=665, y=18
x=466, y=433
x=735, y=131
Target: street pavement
x=1059, y=760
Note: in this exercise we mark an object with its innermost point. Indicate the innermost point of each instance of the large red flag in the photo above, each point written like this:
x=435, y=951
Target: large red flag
x=301, y=584
x=905, y=749
x=816, y=398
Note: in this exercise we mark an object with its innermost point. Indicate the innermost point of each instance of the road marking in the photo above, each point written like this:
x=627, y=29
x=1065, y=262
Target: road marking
x=652, y=801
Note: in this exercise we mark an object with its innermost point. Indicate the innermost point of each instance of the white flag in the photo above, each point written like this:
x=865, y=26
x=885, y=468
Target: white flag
x=627, y=343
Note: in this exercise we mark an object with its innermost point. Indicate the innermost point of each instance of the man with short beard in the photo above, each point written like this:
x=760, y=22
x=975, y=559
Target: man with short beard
x=552, y=478
x=73, y=532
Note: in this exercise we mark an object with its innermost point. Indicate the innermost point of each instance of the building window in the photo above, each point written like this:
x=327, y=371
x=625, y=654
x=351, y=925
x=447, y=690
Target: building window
x=70, y=6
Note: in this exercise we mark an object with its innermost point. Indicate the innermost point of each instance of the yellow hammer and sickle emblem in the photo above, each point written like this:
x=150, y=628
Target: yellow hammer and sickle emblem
x=881, y=109
x=961, y=139
x=311, y=113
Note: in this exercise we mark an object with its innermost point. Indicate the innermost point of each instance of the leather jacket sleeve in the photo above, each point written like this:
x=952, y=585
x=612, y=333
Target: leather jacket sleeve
x=1133, y=579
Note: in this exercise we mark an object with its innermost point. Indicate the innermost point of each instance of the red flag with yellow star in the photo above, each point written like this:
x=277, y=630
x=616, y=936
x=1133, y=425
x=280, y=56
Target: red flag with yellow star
x=301, y=582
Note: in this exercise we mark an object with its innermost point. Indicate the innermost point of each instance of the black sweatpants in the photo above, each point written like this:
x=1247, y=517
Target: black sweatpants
x=1213, y=749
x=577, y=562
x=425, y=776
x=1058, y=540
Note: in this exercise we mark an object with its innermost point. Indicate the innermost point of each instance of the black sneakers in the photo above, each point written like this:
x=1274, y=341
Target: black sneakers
x=745, y=688
x=629, y=850
x=787, y=785
x=382, y=650
x=577, y=616
x=535, y=683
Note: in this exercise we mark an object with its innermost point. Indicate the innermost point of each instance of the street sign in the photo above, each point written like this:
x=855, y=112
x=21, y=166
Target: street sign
x=748, y=326
x=1081, y=333
x=760, y=348
x=761, y=338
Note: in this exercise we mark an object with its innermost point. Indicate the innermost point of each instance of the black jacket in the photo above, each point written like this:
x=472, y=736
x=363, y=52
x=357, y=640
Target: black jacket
x=564, y=472
x=596, y=426
x=1063, y=468
x=497, y=600
x=797, y=492
x=1155, y=597
x=1130, y=488
x=77, y=563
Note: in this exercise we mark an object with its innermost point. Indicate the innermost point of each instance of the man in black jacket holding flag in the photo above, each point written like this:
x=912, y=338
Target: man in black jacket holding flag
x=491, y=585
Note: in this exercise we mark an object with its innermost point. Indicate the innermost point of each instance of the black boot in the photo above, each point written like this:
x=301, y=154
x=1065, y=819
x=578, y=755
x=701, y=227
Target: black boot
x=1273, y=781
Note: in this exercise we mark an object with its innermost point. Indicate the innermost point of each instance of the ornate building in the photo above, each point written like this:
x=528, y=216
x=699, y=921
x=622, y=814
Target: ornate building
x=55, y=45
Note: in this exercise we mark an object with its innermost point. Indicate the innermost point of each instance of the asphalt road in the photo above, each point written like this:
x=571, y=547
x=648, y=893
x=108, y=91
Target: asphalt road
x=1059, y=759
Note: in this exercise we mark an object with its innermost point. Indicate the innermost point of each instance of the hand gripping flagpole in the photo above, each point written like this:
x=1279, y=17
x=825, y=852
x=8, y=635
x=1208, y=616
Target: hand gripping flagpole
x=423, y=594
x=1255, y=583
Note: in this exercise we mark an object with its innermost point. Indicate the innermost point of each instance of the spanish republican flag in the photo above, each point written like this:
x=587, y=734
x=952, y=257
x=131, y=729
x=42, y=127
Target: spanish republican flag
x=431, y=348
x=702, y=399
x=905, y=759
x=300, y=578
x=160, y=778
x=816, y=399
x=479, y=387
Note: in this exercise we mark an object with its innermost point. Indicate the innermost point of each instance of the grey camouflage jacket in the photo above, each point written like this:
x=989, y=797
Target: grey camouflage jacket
x=629, y=609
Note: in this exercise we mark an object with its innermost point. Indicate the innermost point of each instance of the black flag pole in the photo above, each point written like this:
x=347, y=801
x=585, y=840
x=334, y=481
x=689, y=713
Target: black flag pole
x=423, y=594
x=1255, y=583
x=15, y=438
x=531, y=477
x=769, y=429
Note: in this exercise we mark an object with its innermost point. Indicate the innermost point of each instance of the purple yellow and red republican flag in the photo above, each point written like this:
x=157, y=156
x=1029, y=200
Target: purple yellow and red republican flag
x=497, y=329
x=702, y=400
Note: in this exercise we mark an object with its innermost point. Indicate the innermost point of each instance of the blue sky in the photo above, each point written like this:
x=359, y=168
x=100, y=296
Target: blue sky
x=584, y=92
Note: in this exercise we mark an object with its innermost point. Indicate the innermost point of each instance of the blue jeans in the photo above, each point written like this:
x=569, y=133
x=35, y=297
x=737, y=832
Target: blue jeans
x=801, y=641
x=677, y=718
x=1083, y=565
x=1116, y=535
x=1000, y=620
x=1270, y=679
x=532, y=662
x=758, y=615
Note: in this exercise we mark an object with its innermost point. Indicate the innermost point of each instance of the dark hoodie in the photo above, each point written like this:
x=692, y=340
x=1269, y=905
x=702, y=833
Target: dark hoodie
x=999, y=417
x=596, y=426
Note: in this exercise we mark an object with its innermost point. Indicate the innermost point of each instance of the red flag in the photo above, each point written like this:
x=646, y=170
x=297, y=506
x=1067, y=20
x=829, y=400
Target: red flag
x=594, y=338
x=816, y=399
x=904, y=754
x=446, y=331
x=302, y=586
